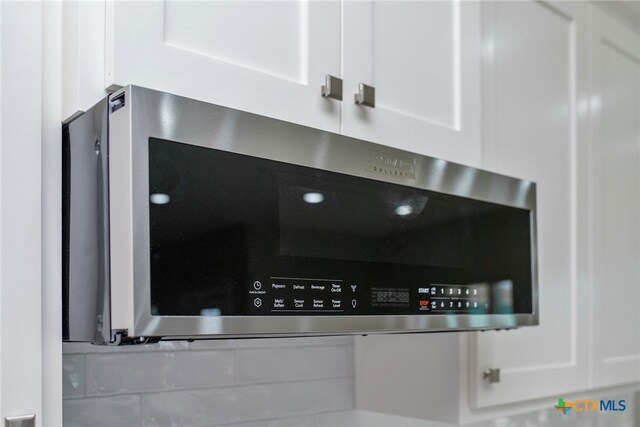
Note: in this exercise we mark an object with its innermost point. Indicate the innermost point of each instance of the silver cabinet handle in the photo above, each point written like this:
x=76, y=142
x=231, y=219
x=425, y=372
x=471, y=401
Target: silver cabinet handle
x=20, y=421
x=366, y=95
x=492, y=375
x=332, y=87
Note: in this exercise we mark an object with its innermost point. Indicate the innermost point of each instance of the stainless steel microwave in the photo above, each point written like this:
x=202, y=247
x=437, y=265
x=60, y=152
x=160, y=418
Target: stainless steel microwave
x=187, y=220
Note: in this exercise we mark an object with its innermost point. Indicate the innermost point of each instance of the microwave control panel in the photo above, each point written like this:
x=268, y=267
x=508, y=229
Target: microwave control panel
x=280, y=296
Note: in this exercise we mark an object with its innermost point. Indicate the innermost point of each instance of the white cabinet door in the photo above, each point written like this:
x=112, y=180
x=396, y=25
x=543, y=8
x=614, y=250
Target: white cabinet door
x=423, y=58
x=21, y=140
x=265, y=57
x=615, y=109
x=534, y=82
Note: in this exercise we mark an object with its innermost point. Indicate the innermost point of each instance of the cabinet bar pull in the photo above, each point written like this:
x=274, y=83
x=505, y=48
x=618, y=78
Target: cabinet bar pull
x=332, y=87
x=492, y=375
x=366, y=95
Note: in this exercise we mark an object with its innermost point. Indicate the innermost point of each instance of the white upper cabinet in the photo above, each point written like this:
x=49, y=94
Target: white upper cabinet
x=534, y=84
x=615, y=109
x=423, y=59
x=272, y=58
x=268, y=58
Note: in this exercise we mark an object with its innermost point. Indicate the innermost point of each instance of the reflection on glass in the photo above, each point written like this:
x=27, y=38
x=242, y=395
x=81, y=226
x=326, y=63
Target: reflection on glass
x=159, y=198
x=210, y=312
x=313, y=197
x=503, y=297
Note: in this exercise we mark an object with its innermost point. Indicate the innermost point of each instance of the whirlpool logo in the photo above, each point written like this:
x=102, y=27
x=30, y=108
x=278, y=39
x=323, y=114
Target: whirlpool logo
x=590, y=405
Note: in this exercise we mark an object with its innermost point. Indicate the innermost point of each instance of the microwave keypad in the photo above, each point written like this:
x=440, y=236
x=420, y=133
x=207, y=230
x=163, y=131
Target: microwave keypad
x=283, y=295
x=291, y=296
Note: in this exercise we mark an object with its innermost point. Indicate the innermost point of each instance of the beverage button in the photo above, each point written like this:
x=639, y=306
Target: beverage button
x=353, y=303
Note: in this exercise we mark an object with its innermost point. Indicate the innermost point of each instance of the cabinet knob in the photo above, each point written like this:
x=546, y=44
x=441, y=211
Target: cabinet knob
x=492, y=375
x=366, y=95
x=332, y=87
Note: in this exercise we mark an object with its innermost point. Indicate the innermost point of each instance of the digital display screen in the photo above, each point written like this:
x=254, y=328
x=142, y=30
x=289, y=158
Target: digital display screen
x=390, y=297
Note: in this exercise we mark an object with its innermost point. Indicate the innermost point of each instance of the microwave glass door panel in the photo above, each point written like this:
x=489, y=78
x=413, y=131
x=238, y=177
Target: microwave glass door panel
x=236, y=235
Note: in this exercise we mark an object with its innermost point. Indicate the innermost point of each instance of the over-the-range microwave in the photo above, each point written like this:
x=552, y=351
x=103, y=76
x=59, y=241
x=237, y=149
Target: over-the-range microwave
x=187, y=220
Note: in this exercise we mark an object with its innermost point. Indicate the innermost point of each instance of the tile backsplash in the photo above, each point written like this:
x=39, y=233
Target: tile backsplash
x=206, y=383
x=246, y=383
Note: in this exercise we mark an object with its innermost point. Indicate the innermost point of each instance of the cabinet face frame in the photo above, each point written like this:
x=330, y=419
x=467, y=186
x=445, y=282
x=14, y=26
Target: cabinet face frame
x=607, y=34
x=570, y=371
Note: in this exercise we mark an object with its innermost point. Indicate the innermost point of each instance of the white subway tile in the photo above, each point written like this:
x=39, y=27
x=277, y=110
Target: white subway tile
x=155, y=371
x=290, y=363
x=73, y=375
x=87, y=348
x=120, y=411
x=207, y=407
x=305, y=397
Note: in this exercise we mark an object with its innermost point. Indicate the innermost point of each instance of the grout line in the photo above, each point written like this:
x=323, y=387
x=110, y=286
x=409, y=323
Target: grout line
x=221, y=387
x=85, y=384
x=236, y=366
x=285, y=417
x=142, y=404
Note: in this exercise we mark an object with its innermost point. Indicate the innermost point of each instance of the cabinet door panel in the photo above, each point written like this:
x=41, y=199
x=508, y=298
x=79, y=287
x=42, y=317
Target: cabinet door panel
x=268, y=58
x=533, y=83
x=615, y=108
x=423, y=60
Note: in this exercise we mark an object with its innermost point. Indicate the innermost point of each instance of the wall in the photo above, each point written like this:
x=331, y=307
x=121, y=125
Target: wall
x=206, y=383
